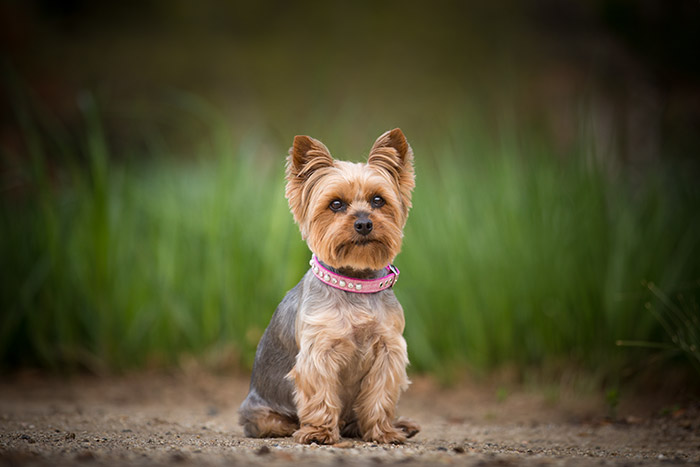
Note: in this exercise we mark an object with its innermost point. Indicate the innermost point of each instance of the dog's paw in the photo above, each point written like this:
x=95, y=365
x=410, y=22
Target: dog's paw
x=322, y=435
x=351, y=430
x=408, y=426
x=390, y=436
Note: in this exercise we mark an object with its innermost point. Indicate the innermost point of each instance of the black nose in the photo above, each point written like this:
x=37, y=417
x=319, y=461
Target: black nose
x=363, y=226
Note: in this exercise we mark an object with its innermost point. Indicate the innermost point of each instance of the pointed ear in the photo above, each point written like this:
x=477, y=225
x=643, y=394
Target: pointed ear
x=306, y=156
x=392, y=154
x=393, y=139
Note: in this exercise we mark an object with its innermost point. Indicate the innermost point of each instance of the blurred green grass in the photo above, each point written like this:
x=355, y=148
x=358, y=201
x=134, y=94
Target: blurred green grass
x=514, y=254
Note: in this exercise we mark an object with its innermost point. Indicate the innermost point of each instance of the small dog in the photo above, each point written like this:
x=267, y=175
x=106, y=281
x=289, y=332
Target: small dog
x=333, y=360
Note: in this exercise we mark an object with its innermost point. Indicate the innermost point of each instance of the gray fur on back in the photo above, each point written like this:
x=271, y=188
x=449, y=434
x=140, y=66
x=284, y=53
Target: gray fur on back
x=276, y=352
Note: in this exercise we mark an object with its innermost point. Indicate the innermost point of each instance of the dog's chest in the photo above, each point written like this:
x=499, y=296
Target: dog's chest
x=362, y=319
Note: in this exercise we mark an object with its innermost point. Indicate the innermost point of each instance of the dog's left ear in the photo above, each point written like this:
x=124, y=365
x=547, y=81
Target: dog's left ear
x=392, y=154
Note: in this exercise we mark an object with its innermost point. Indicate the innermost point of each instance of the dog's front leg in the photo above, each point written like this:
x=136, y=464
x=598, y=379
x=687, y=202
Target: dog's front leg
x=323, y=351
x=380, y=390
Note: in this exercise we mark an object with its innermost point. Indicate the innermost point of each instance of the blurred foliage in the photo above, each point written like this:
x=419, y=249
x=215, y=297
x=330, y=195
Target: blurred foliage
x=142, y=215
x=512, y=255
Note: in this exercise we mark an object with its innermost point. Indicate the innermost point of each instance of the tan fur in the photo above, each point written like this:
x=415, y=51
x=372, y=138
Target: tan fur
x=351, y=355
x=314, y=179
x=271, y=425
x=350, y=365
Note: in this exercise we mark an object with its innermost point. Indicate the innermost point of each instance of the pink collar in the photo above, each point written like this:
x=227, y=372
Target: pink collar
x=350, y=284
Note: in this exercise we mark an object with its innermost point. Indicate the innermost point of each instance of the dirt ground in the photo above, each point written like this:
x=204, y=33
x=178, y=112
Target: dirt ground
x=189, y=418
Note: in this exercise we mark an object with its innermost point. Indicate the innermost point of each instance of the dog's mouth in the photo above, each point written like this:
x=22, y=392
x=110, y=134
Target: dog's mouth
x=358, y=242
x=364, y=241
x=360, y=253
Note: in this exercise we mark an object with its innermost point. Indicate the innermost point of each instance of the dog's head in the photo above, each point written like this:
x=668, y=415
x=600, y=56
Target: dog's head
x=351, y=214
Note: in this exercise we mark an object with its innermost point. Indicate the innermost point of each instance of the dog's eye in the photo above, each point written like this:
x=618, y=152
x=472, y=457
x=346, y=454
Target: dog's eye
x=337, y=205
x=378, y=202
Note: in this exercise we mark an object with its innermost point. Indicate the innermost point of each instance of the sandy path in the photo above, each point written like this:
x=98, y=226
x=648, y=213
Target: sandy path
x=190, y=419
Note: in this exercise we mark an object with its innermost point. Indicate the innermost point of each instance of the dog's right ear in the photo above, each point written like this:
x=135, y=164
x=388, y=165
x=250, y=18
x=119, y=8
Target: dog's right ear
x=306, y=156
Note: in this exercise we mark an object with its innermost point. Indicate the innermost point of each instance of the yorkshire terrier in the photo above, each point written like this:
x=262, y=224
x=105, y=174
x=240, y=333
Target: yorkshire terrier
x=333, y=359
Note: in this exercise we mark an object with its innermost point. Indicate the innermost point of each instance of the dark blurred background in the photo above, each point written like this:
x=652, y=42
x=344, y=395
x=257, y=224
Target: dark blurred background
x=632, y=66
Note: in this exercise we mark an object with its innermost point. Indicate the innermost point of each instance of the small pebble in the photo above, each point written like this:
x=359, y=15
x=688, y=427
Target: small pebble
x=343, y=445
x=263, y=450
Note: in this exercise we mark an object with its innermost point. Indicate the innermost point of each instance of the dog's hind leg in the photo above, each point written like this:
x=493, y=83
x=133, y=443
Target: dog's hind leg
x=261, y=421
x=351, y=430
x=408, y=426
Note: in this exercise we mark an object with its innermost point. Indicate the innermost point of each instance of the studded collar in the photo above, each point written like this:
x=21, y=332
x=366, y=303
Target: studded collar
x=350, y=284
